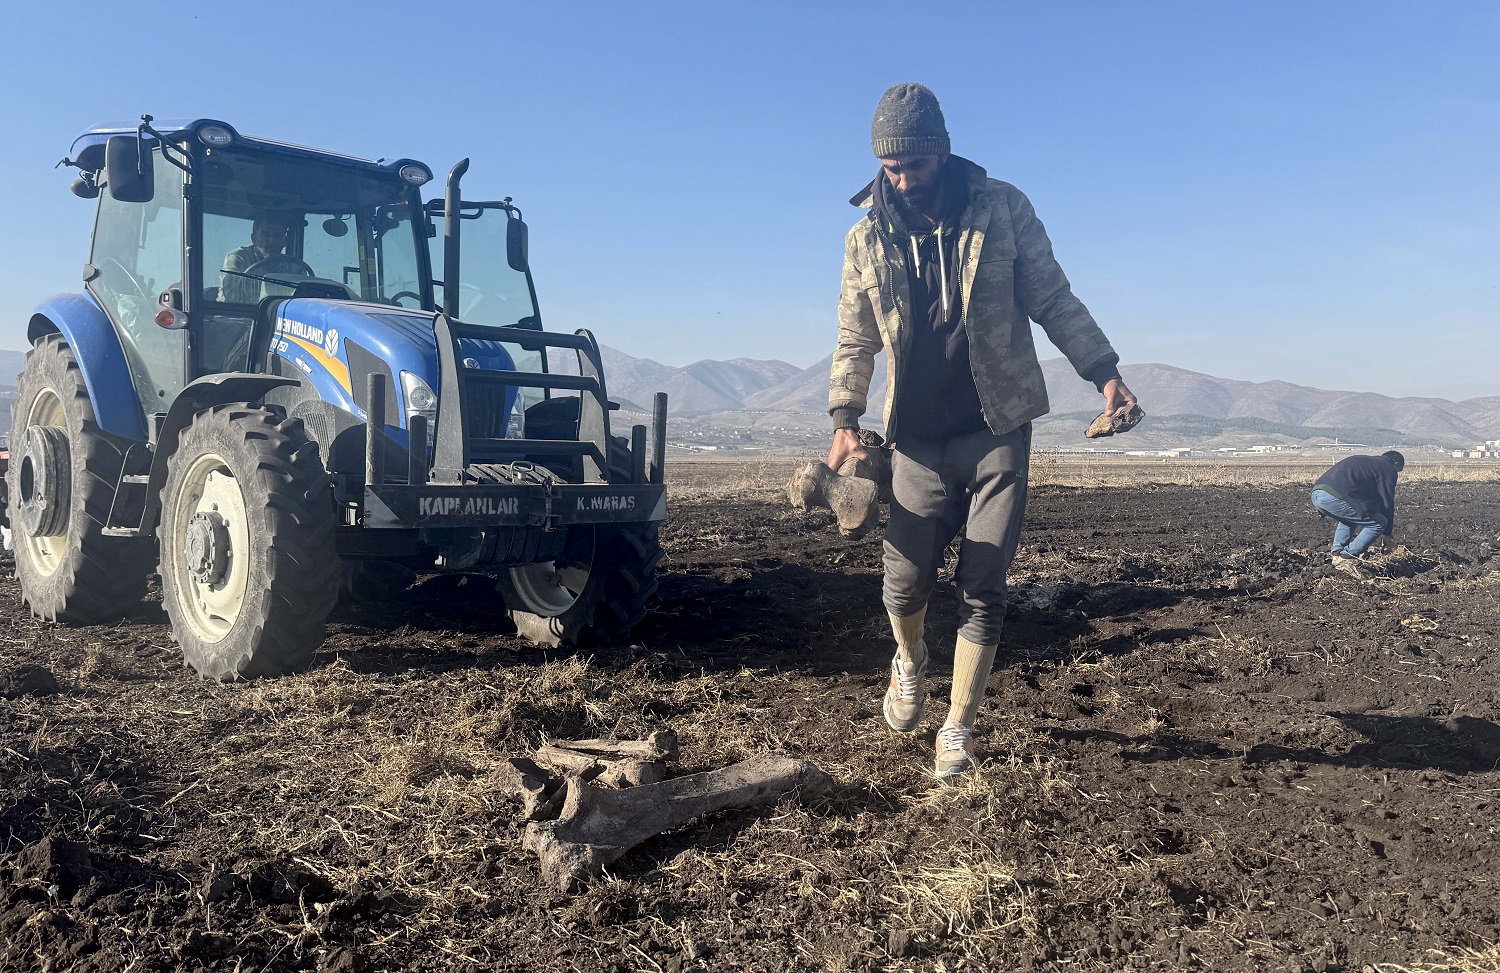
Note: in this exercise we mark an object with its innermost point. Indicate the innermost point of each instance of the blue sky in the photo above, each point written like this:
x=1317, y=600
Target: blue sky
x=1299, y=191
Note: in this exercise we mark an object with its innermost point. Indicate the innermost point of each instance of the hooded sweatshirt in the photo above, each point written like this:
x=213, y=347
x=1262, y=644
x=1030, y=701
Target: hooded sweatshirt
x=938, y=399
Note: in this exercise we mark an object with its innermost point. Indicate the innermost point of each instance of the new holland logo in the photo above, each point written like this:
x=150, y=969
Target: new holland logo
x=467, y=506
x=306, y=332
x=331, y=343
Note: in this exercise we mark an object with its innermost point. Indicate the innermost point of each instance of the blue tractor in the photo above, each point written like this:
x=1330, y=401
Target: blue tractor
x=266, y=396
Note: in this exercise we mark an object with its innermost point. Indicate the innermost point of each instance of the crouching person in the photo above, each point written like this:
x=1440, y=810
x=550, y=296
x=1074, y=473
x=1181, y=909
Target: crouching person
x=946, y=272
x=1360, y=493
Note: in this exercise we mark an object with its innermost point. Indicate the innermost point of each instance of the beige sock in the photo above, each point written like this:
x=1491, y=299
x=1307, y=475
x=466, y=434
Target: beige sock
x=909, y=641
x=971, y=671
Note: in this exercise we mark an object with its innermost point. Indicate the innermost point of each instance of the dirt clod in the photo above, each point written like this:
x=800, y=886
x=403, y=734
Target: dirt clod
x=341, y=959
x=28, y=681
x=56, y=861
x=900, y=943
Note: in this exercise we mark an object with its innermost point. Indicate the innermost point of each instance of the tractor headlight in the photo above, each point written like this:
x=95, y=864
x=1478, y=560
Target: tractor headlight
x=415, y=175
x=419, y=399
x=215, y=136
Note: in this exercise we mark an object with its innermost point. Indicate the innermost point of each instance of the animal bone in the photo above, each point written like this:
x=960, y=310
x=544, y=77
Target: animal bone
x=599, y=825
x=1121, y=420
x=659, y=745
x=853, y=499
x=617, y=763
x=624, y=772
x=539, y=792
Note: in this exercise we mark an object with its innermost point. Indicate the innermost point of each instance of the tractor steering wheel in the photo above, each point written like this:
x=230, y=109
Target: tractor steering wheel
x=396, y=297
x=282, y=263
x=134, y=281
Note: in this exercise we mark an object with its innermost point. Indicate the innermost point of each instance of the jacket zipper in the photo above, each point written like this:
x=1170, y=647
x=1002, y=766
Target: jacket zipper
x=886, y=247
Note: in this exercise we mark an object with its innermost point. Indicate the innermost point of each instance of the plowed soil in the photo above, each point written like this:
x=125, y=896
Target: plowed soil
x=1203, y=748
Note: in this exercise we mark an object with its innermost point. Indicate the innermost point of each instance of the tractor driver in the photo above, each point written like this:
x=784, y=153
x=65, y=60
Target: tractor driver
x=268, y=237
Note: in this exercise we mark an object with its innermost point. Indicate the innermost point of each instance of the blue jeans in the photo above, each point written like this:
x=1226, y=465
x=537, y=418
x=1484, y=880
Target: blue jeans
x=1348, y=519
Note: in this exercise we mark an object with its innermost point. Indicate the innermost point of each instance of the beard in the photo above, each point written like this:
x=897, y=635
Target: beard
x=918, y=198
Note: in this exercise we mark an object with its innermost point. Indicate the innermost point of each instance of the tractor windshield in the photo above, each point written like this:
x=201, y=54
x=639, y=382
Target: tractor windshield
x=289, y=219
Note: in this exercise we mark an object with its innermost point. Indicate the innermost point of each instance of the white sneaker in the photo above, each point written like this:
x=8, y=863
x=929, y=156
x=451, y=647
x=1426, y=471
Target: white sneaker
x=906, y=696
x=955, y=751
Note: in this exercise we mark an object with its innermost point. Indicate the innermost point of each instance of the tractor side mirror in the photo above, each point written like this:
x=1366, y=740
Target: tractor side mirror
x=517, y=252
x=127, y=169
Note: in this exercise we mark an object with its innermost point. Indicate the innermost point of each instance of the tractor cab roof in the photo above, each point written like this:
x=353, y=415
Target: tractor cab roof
x=88, y=148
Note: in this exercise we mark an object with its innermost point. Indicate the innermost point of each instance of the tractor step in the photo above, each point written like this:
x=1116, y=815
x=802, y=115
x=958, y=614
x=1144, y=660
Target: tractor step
x=129, y=504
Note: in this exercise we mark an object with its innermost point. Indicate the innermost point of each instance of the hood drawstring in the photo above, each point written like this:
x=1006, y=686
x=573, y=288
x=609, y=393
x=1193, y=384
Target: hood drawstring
x=916, y=259
x=942, y=269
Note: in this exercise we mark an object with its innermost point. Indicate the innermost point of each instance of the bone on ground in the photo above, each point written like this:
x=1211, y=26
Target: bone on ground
x=599, y=825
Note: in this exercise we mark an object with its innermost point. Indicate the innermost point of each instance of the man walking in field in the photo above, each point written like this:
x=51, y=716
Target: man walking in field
x=1360, y=493
x=946, y=273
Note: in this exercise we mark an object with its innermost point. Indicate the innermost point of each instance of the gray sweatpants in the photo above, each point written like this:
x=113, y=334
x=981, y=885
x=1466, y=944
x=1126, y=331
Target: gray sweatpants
x=975, y=482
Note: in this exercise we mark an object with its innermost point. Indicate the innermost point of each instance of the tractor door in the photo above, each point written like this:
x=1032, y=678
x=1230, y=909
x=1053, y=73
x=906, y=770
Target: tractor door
x=137, y=255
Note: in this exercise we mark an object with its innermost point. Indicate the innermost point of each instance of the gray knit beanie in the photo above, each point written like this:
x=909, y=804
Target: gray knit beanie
x=908, y=121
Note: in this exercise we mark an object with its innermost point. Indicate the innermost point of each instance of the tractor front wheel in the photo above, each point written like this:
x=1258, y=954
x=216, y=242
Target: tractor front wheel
x=593, y=594
x=248, y=566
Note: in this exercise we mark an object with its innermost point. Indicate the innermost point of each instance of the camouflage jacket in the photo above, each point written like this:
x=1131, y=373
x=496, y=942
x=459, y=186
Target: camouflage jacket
x=1008, y=275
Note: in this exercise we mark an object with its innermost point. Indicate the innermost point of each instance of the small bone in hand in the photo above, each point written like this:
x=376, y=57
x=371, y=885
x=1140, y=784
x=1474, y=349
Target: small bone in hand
x=598, y=825
x=1123, y=419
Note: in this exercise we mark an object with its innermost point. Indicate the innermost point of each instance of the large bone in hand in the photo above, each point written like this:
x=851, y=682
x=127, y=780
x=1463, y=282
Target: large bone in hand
x=598, y=825
x=853, y=499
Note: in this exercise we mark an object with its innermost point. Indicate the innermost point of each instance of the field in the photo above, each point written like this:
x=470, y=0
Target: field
x=1203, y=749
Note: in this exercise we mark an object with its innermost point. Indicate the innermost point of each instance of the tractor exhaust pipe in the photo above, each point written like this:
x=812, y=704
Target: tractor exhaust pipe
x=375, y=431
x=658, y=471
x=452, y=203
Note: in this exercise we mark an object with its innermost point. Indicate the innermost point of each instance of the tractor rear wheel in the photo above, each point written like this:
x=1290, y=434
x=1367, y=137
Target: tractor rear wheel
x=61, y=485
x=593, y=594
x=248, y=566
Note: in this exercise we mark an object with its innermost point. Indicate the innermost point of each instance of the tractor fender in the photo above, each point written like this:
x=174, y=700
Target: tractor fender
x=200, y=394
x=96, y=348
